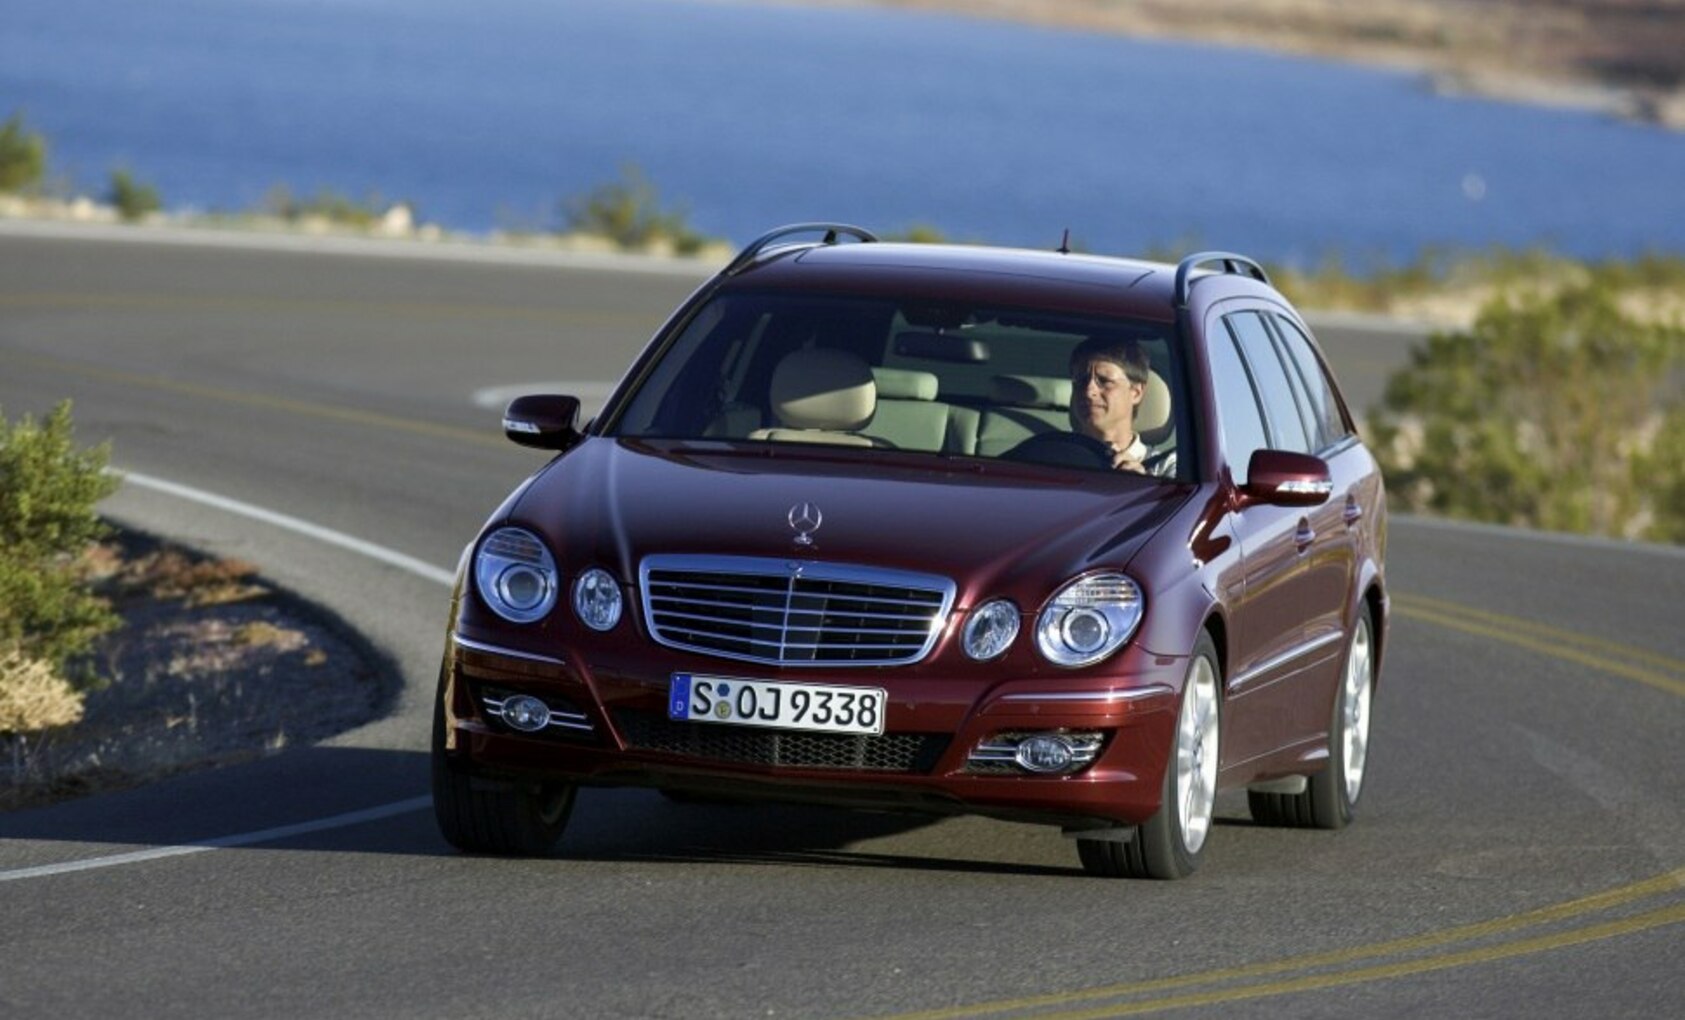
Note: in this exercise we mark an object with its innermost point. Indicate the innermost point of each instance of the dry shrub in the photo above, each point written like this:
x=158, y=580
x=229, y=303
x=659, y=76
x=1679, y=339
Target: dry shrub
x=173, y=574
x=33, y=697
x=263, y=634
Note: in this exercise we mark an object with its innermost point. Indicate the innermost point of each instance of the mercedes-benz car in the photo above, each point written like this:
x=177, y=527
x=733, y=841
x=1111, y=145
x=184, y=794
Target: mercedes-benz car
x=1041, y=536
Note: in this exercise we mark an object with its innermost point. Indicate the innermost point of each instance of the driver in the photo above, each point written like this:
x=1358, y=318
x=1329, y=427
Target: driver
x=1108, y=379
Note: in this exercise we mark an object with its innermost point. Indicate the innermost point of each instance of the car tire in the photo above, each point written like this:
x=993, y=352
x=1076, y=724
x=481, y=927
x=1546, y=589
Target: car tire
x=507, y=817
x=1329, y=799
x=1170, y=843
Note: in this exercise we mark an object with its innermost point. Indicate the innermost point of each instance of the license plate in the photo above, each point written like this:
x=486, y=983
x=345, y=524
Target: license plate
x=820, y=708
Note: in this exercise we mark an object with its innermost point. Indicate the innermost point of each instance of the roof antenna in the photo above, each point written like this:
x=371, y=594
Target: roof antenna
x=1065, y=243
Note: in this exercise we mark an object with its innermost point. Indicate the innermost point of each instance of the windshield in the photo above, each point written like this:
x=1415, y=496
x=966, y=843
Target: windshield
x=938, y=378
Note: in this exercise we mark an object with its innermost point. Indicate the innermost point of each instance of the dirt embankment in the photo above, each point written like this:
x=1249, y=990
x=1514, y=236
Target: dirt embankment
x=212, y=664
x=1625, y=57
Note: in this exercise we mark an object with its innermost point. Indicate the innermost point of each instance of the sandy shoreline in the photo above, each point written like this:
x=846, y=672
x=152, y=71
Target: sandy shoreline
x=1622, y=60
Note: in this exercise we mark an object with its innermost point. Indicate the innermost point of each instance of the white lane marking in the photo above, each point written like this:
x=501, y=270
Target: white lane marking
x=401, y=807
x=498, y=397
x=1614, y=545
x=390, y=557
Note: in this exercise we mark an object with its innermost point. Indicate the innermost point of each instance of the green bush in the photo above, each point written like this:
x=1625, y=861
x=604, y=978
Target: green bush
x=133, y=199
x=326, y=204
x=628, y=212
x=918, y=233
x=48, y=489
x=1558, y=411
x=23, y=155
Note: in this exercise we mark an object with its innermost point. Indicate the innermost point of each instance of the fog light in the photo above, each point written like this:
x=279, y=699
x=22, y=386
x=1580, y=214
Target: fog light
x=1049, y=753
x=526, y=713
x=1045, y=753
x=596, y=598
x=990, y=629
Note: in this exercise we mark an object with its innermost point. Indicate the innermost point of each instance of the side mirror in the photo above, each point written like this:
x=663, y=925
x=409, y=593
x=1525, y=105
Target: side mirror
x=1280, y=478
x=543, y=420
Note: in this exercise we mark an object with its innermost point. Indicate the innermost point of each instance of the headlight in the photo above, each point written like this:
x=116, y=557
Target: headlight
x=596, y=598
x=1089, y=619
x=516, y=575
x=990, y=629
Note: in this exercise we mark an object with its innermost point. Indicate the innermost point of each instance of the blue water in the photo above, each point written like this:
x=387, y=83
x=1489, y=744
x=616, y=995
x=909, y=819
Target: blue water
x=487, y=114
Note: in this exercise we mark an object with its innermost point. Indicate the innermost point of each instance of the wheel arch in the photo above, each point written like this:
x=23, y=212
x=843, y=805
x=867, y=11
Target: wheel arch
x=1217, y=625
x=1374, y=602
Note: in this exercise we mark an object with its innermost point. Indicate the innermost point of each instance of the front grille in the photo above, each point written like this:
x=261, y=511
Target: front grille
x=891, y=752
x=793, y=613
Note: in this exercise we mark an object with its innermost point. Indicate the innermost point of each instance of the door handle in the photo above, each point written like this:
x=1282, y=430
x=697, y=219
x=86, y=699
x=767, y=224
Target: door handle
x=1305, y=535
x=1354, y=512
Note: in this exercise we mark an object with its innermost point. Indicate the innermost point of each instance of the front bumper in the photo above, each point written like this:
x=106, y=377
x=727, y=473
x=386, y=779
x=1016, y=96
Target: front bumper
x=613, y=730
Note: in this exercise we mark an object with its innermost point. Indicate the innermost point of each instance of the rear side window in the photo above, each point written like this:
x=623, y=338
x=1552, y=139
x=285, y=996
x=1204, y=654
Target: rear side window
x=1288, y=430
x=1319, y=388
x=1237, y=404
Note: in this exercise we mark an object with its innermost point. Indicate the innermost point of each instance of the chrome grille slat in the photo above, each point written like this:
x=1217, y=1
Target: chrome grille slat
x=804, y=644
x=800, y=593
x=793, y=612
x=788, y=612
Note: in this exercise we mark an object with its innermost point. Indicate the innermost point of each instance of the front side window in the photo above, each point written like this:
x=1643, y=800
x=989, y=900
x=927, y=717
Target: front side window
x=938, y=378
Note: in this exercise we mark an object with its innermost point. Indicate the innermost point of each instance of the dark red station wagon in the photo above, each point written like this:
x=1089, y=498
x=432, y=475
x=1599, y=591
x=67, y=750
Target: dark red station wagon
x=1035, y=535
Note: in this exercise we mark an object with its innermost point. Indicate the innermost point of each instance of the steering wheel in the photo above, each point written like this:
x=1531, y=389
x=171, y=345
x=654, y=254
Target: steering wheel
x=1063, y=449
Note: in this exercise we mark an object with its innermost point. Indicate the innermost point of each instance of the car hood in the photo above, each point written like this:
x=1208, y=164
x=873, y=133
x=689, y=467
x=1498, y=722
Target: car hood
x=991, y=526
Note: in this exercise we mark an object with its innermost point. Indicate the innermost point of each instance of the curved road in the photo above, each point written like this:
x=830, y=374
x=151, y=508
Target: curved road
x=1520, y=851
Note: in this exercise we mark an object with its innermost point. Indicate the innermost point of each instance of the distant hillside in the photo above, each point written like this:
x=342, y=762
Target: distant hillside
x=1622, y=56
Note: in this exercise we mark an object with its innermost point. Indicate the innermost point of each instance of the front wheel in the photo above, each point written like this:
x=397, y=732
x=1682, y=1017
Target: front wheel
x=508, y=817
x=1169, y=844
x=1330, y=797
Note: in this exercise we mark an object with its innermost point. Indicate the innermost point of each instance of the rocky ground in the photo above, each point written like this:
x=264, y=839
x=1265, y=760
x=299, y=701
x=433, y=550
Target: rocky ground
x=213, y=664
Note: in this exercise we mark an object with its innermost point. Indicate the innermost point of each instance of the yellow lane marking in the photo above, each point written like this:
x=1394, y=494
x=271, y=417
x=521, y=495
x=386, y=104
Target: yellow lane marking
x=301, y=407
x=1391, y=971
x=1542, y=630
x=1673, y=881
x=1600, y=662
x=409, y=309
x=1594, y=653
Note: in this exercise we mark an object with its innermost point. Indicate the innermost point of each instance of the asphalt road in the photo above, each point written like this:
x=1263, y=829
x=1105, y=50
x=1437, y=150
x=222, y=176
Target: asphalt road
x=1520, y=850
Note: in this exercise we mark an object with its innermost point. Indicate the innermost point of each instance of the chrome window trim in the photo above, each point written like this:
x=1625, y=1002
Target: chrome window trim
x=1296, y=652
x=790, y=569
x=481, y=646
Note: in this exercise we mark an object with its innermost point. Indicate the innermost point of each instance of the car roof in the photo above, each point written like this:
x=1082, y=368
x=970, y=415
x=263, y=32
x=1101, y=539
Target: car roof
x=1076, y=283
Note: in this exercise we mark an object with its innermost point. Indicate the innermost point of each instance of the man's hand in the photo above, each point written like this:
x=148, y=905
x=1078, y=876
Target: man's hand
x=1121, y=461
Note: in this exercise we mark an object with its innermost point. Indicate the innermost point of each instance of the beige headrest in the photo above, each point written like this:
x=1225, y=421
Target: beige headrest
x=1031, y=391
x=1152, y=419
x=905, y=384
x=821, y=388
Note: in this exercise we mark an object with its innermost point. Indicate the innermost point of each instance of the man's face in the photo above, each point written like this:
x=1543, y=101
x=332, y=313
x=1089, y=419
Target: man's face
x=1103, y=398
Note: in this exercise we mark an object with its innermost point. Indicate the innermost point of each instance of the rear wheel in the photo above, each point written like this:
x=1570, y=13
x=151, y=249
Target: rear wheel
x=1330, y=797
x=512, y=817
x=1169, y=844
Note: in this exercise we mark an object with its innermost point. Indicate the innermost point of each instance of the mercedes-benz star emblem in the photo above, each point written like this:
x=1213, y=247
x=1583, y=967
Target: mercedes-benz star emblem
x=805, y=518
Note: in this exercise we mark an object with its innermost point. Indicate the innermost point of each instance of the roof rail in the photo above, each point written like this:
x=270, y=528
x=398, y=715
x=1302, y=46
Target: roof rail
x=760, y=244
x=1239, y=265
